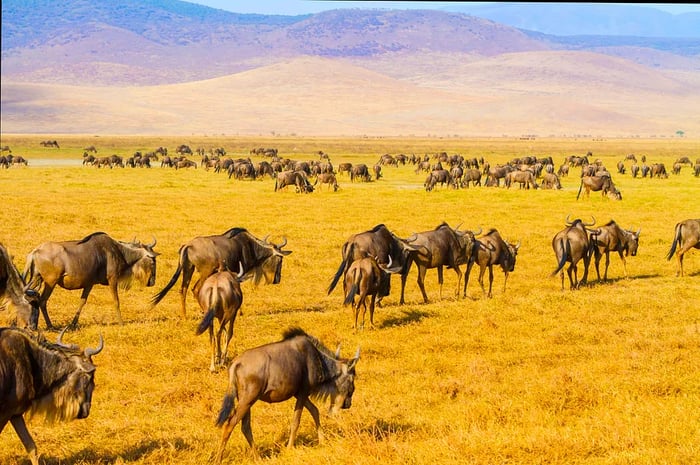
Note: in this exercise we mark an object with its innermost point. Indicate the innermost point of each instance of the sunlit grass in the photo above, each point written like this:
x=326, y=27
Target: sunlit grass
x=608, y=374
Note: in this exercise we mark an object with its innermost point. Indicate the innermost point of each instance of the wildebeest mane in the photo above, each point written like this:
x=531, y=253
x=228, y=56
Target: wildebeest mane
x=325, y=363
x=377, y=228
x=12, y=288
x=90, y=236
x=234, y=232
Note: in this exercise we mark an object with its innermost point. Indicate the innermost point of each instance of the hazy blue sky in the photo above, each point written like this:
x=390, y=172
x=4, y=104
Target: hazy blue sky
x=299, y=7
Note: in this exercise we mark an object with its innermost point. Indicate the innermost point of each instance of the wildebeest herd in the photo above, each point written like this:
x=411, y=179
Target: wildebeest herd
x=299, y=365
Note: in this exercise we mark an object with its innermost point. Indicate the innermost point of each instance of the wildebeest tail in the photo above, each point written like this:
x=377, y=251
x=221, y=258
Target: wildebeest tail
x=354, y=289
x=563, y=255
x=579, y=189
x=29, y=275
x=206, y=322
x=676, y=241
x=228, y=404
x=159, y=296
x=343, y=266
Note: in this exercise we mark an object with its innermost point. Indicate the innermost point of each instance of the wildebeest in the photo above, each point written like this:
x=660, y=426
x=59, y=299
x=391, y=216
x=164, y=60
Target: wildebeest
x=260, y=259
x=696, y=170
x=380, y=243
x=49, y=143
x=298, y=366
x=294, y=178
x=685, y=237
x=363, y=280
x=490, y=249
x=345, y=168
x=550, y=181
x=95, y=259
x=573, y=244
x=327, y=178
x=90, y=148
x=524, y=178
x=599, y=183
x=360, y=172
x=442, y=246
x=634, y=169
x=441, y=176
x=220, y=297
x=658, y=170
x=15, y=293
x=56, y=380
x=612, y=238
x=472, y=175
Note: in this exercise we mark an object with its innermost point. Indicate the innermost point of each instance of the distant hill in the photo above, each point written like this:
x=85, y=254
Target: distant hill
x=150, y=66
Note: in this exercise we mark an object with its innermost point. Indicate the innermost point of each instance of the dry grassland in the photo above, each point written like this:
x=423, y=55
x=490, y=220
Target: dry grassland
x=609, y=374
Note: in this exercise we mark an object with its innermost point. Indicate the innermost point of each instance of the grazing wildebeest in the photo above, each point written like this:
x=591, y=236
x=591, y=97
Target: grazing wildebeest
x=298, y=366
x=684, y=161
x=550, y=181
x=345, y=168
x=95, y=259
x=612, y=238
x=294, y=178
x=696, y=169
x=379, y=243
x=260, y=259
x=525, y=178
x=327, y=178
x=15, y=293
x=472, y=175
x=489, y=250
x=185, y=163
x=573, y=244
x=441, y=176
x=658, y=170
x=49, y=143
x=685, y=237
x=361, y=172
x=6, y=148
x=563, y=170
x=55, y=380
x=183, y=149
x=621, y=167
x=220, y=297
x=90, y=148
x=598, y=183
x=634, y=169
x=442, y=246
x=363, y=279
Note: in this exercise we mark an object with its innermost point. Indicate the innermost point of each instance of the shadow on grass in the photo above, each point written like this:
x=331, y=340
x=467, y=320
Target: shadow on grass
x=134, y=453
x=381, y=429
x=408, y=317
x=594, y=282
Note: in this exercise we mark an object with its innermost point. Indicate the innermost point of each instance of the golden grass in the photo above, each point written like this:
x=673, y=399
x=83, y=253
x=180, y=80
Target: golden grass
x=608, y=374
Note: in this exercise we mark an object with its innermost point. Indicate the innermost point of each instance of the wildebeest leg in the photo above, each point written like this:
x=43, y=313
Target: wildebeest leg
x=598, y=256
x=421, y=282
x=482, y=270
x=241, y=412
x=248, y=433
x=573, y=276
x=229, y=336
x=298, y=408
x=680, y=263
x=83, y=301
x=505, y=281
x=187, y=271
x=624, y=264
x=490, y=294
x=317, y=420
x=459, y=279
x=214, y=349
x=45, y=294
x=440, y=280
x=371, y=310
x=29, y=445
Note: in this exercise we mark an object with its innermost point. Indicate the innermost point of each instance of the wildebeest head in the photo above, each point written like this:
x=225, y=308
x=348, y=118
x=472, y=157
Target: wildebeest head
x=271, y=269
x=632, y=241
x=73, y=398
x=15, y=292
x=341, y=397
x=142, y=259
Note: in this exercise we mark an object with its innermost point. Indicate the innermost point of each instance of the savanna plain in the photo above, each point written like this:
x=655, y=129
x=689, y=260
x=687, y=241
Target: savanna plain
x=608, y=374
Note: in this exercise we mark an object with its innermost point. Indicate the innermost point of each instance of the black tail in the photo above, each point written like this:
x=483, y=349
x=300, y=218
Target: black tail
x=352, y=292
x=225, y=411
x=206, y=322
x=343, y=266
x=159, y=296
x=676, y=241
x=562, y=259
x=579, y=189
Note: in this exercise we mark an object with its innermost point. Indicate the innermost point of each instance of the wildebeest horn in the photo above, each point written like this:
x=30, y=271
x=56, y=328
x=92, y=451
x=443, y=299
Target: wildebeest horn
x=590, y=224
x=152, y=244
x=240, y=269
x=265, y=239
x=639, y=231
x=284, y=242
x=337, y=352
x=480, y=231
x=568, y=221
x=412, y=237
x=59, y=340
x=89, y=352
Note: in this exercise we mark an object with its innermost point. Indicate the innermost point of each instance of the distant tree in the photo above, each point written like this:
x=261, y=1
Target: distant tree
x=680, y=133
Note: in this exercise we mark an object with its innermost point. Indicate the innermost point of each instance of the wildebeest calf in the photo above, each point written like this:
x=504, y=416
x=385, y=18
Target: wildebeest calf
x=297, y=366
x=362, y=279
x=686, y=236
x=220, y=297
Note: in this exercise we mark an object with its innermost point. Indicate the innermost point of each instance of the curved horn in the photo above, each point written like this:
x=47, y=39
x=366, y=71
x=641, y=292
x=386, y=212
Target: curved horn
x=284, y=242
x=457, y=227
x=357, y=354
x=265, y=239
x=639, y=231
x=60, y=343
x=337, y=352
x=89, y=352
x=480, y=231
x=152, y=244
x=240, y=270
x=590, y=224
x=388, y=265
x=568, y=221
x=412, y=237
